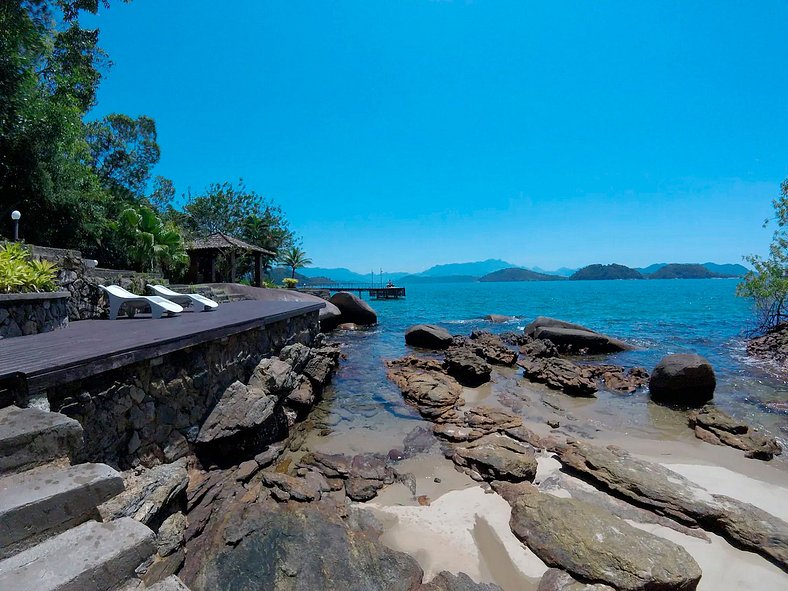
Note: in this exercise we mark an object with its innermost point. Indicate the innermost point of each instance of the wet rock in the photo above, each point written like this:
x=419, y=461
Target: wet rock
x=303, y=394
x=331, y=465
x=362, y=489
x=409, y=481
x=446, y=581
x=372, y=467
x=269, y=454
x=616, y=378
x=300, y=548
x=490, y=420
x=349, y=326
x=495, y=457
x=597, y=546
x=717, y=427
x=491, y=348
x=556, y=579
x=322, y=365
x=574, y=338
x=468, y=368
x=424, y=385
x=668, y=493
x=395, y=455
x=149, y=494
x=428, y=336
x=297, y=355
x=285, y=487
x=418, y=441
x=538, y=348
x=684, y=379
x=559, y=374
x=354, y=309
x=498, y=318
x=457, y=433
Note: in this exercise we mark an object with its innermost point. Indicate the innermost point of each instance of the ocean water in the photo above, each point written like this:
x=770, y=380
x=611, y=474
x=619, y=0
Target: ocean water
x=659, y=316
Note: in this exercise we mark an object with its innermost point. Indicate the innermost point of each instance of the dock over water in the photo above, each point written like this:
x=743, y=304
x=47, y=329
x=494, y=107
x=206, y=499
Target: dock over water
x=376, y=292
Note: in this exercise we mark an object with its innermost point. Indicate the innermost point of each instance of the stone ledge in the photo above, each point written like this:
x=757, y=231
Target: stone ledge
x=35, y=296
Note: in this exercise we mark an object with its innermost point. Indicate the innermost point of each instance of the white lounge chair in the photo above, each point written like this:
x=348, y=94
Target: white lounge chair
x=118, y=296
x=198, y=302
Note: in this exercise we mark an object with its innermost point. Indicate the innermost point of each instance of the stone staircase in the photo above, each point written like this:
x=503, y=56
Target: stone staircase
x=51, y=536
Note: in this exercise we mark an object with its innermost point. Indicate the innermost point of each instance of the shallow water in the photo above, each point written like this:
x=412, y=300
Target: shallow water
x=363, y=411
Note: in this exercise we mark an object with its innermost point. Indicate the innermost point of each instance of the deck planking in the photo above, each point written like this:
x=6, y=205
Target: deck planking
x=89, y=347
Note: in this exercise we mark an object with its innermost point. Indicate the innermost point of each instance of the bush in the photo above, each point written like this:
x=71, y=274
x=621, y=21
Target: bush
x=20, y=274
x=289, y=282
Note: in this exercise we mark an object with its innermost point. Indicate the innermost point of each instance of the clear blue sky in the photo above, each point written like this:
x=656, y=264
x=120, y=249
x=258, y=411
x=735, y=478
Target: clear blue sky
x=402, y=134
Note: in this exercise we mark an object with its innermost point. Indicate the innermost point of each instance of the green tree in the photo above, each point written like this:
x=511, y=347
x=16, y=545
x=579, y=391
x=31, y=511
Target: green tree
x=49, y=71
x=767, y=283
x=152, y=244
x=237, y=211
x=295, y=258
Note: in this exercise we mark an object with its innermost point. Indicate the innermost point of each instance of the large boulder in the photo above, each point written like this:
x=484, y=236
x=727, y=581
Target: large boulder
x=428, y=336
x=354, y=309
x=719, y=428
x=574, y=338
x=684, y=379
x=559, y=374
x=597, y=546
x=497, y=457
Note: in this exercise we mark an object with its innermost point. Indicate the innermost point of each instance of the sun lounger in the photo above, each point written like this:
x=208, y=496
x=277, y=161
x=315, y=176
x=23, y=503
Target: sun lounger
x=118, y=296
x=195, y=300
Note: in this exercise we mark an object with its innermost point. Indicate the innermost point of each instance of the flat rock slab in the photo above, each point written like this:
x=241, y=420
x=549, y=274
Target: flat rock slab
x=240, y=409
x=668, y=493
x=596, y=546
x=497, y=457
x=446, y=581
x=719, y=428
x=31, y=437
x=424, y=384
x=91, y=557
x=559, y=374
x=46, y=501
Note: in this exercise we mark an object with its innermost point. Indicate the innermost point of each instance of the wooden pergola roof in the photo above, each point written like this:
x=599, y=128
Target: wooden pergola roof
x=221, y=241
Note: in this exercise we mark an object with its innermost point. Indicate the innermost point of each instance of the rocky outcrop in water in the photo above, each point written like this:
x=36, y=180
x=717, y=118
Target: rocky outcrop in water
x=428, y=336
x=559, y=374
x=717, y=427
x=668, y=493
x=466, y=367
x=424, y=384
x=684, y=379
x=772, y=347
x=574, y=338
x=616, y=378
x=599, y=547
x=353, y=309
x=491, y=348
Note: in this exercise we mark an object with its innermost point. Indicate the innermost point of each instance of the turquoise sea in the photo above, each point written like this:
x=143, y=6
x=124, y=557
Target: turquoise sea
x=659, y=316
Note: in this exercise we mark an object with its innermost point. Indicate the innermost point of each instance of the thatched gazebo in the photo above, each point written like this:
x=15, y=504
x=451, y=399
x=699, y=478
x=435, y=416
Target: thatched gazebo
x=203, y=253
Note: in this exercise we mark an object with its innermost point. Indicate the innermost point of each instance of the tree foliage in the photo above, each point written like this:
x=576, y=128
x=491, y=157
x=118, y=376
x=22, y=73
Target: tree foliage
x=767, y=283
x=294, y=257
x=238, y=211
x=151, y=243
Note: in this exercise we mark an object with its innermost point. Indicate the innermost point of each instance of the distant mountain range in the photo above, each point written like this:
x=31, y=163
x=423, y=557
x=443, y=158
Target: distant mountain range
x=495, y=270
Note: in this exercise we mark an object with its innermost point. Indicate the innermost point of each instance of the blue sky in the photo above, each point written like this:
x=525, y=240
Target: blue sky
x=402, y=134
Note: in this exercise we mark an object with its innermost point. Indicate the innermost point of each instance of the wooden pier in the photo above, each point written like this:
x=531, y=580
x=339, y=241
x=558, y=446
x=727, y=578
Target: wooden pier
x=376, y=292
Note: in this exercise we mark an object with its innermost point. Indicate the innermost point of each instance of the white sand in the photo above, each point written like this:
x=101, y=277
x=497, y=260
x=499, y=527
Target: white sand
x=724, y=567
x=718, y=480
x=462, y=531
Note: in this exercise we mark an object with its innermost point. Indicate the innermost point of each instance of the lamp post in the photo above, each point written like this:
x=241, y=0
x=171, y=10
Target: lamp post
x=15, y=215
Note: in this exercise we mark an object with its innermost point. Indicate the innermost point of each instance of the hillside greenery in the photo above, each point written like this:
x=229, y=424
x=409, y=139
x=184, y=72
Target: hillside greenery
x=78, y=180
x=517, y=274
x=606, y=272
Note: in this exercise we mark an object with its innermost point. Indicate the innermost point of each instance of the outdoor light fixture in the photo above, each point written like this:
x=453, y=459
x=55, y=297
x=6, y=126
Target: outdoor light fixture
x=15, y=215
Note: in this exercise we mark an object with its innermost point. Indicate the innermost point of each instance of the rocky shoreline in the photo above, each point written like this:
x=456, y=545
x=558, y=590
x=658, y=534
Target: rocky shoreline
x=258, y=506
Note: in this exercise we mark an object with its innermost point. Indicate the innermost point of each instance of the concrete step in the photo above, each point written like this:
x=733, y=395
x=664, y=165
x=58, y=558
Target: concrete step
x=31, y=437
x=90, y=557
x=47, y=500
x=172, y=583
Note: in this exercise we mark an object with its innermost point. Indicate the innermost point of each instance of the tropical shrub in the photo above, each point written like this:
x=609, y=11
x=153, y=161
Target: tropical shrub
x=152, y=244
x=289, y=282
x=294, y=257
x=20, y=274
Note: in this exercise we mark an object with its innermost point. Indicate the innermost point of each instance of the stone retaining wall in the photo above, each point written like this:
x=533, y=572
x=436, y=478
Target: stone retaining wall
x=31, y=313
x=147, y=413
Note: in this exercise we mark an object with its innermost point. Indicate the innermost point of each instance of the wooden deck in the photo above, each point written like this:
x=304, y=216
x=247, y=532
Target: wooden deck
x=89, y=347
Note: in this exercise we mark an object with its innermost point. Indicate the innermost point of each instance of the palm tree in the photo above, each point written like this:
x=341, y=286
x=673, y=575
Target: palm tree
x=295, y=258
x=153, y=244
